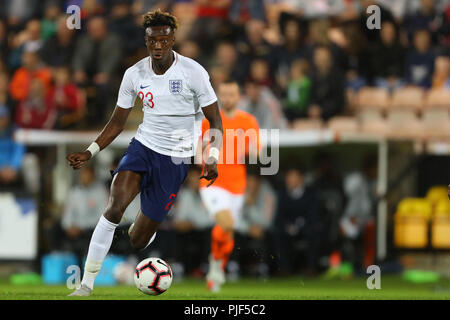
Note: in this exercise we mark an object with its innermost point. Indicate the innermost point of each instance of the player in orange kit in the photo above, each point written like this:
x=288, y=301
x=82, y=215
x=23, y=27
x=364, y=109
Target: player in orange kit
x=224, y=199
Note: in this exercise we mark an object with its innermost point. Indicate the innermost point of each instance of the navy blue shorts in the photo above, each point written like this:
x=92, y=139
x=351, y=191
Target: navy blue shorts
x=161, y=178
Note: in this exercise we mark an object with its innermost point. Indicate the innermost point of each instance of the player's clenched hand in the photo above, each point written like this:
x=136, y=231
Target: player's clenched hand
x=210, y=173
x=78, y=159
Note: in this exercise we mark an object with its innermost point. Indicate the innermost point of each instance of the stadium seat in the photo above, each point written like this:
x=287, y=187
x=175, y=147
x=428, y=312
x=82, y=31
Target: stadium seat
x=408, y=99
x=370, y=98
x=371, y=106
x=436, y=123
x=438, y=98
x=440, y=225
x=374, y=126
x=402, y=115
x=404, y=124
x=437, y=193
x=352, y=102
x=436, y=114
x=343, y=124
x=307, y=124
x=442, y=208
x=411, y=223
x=415, y=206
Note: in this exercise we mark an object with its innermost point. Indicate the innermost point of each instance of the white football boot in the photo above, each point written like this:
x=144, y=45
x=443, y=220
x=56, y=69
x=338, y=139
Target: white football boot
x=216, y=275
x=82, y=291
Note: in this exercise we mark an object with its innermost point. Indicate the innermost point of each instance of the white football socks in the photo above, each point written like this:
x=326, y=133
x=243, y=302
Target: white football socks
x=98, y=249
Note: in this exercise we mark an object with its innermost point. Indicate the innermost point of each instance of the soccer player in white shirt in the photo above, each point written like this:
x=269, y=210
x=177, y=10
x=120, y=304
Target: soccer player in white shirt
x=175, y=92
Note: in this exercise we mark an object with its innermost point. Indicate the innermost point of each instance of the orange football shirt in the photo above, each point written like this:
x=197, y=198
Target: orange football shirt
x=233, y=176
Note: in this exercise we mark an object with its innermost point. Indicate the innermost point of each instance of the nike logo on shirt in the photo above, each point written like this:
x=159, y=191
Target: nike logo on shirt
x=144, y=87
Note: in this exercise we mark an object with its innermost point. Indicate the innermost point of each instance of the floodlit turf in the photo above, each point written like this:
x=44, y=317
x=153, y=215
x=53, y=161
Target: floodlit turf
x=392, y=287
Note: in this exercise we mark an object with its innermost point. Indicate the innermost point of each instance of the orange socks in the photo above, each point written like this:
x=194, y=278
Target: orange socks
x=222, y=244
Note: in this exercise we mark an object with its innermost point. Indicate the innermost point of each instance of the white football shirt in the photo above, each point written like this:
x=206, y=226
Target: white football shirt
x=171, y=103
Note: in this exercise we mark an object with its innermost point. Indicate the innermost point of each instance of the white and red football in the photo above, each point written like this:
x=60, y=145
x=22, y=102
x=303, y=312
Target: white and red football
x=153, y=276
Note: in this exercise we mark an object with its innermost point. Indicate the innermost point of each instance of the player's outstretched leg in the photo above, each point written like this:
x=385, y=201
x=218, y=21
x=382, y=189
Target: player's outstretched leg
x=124, y=188
x=222, y=244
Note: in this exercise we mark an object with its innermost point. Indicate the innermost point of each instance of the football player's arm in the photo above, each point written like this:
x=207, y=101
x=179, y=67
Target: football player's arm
x=212, y=114
x=112, y=129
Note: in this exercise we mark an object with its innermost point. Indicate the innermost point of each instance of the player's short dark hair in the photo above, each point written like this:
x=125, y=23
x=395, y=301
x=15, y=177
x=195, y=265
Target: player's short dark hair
x=159, y=18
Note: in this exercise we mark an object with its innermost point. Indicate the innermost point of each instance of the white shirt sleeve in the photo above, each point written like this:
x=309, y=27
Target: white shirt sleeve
x=127, y=92
x=202, y=87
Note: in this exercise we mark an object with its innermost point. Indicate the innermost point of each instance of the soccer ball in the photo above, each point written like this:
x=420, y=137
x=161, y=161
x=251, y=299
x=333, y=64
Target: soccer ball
x=153, y=276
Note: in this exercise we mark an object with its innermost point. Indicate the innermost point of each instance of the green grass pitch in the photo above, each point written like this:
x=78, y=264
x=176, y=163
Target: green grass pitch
x=295, y=288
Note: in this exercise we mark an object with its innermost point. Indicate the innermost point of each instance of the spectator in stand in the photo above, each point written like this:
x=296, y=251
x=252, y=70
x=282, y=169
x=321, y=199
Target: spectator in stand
x=122, y=23
x=252, y=45
x=327, y=180
x=90, y=8
x=420, y=61
x=327, y=86
x=259, y=71
x=32, y=68
x=387, y=58
x=191, y=49
x=298, y=91
x=319, y=36
x=28, y=39
x=426, y=17
x=356, y=238
x=351, y=40
x=84, y=206
x=192, y=224
x=253, y=229
x=261, y=103
x=52, y=11
x=212, y=18
x=218, y=75
x=291, y=49
x=295, y=223
x=36, y=111
x=59, y=48
x=226, y=57
x=19, y=11
x=441, y=76
x=11, y=153
x=243, y=11
x=67, y=99
x=95, y=62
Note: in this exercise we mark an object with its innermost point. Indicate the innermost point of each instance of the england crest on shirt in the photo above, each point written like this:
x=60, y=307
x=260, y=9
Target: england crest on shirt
x=175, y=86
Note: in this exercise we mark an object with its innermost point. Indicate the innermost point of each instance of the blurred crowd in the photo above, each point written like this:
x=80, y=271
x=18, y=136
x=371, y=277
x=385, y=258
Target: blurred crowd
x=294, y=59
